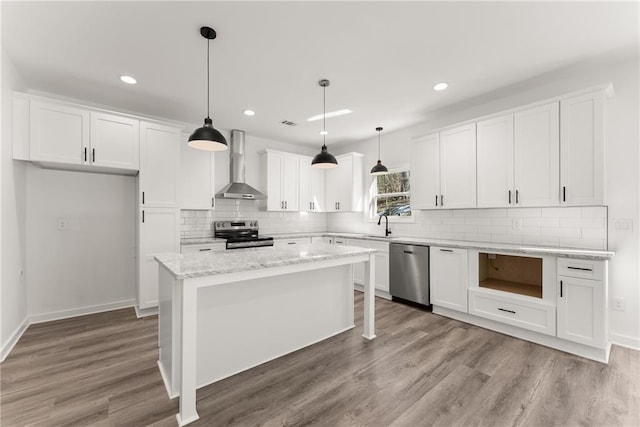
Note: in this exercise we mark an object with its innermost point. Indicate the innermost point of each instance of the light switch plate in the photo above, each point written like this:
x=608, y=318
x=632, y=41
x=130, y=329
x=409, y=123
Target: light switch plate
x=516, y=224
x=62, y=224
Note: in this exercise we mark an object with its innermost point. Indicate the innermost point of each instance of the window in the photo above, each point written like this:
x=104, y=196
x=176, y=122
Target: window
x=391, y=194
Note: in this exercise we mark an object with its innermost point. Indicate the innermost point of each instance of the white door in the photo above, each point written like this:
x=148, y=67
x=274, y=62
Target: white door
x=159, y=232
x=290, y=181
x=196, y=178
x=59, y=133
x=537, y=156
x=448, y=278
x=458, y=167
x=425, y=172
x=581, y=315
x=495, y=162
x=159, y=164
x=345, y=184
x=332, y=188
x=582, y=150
x=114, y=141
x=317, y=177
x=275, y=198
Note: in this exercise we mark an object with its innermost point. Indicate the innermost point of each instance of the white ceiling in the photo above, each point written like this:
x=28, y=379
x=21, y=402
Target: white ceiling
x=382, y=57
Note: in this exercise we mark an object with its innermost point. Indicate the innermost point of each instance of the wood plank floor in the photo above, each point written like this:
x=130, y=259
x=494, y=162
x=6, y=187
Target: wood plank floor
x=421, y=370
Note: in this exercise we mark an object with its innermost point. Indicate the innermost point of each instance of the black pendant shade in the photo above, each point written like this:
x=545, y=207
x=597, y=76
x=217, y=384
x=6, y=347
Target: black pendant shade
x=324, y=159
x=379, y=168
x=207, y=137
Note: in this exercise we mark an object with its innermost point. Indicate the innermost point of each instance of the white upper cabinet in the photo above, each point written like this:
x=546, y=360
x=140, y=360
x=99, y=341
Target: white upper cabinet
x=114, y=141
x=537, y=156
x=196, y=177
x=443, y=169
x=282, y=180
x=159, y=164
x=582, y=154
x=344, y=192
x=495, y=162
x=425, y=172
x=458, y=167
x=58, y=133
x=65, y=136
x=312, y=186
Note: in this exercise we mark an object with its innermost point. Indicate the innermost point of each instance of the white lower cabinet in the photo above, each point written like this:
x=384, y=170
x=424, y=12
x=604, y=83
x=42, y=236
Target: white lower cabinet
x=291, y=242
x=204, y=248
x=535, y=316
x=382, y=263
x=158, y=232
x=582, y=302
x=448, y=278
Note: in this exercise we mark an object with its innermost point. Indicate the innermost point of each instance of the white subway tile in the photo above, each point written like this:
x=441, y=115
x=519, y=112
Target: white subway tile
x=561, y=232
x=491, y=213
x=561, y=212
x=477, y=237
x=529, y=231
x=524, y=212
x=594, y=233
x=552, y=241
x=594, y=212
x=492, y=229
x=501, y=221
x=541, y=222
x=453, y=220
x=506, y=238
x=466, y=228
x=597, y=244
x=477, y=221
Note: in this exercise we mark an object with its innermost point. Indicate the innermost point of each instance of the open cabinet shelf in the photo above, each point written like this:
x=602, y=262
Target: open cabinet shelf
x=514, y=274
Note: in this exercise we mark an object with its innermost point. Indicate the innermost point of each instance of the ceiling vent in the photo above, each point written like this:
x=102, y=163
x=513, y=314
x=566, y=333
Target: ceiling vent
x=288, y=123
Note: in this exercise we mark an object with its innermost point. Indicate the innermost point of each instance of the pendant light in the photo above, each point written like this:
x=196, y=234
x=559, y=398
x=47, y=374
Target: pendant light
x=207, y=137
x=379, y=168
x=324, y=159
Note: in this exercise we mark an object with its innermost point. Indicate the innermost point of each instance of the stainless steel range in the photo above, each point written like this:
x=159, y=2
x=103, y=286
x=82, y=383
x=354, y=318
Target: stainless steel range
x=241, y=234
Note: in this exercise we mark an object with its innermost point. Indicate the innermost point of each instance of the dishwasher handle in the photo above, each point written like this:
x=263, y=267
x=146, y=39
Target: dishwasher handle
x=407, y=252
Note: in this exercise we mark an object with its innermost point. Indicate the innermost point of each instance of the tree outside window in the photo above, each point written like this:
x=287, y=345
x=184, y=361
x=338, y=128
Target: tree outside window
x=391, y=194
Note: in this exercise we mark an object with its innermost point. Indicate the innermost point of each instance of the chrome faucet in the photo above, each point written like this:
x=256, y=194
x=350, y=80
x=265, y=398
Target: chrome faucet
x=387, y=231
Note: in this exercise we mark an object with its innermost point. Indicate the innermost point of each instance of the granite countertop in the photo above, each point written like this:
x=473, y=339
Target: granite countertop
x=184, y=266
x=486, y=246
x=201, y=240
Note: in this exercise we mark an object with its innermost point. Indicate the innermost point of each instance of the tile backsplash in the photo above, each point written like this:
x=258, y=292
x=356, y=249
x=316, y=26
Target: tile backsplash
x=570, y=227
x=200, y=223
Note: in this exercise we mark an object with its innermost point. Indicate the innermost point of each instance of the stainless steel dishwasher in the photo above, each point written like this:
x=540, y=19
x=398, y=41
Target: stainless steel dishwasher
x=409, y=272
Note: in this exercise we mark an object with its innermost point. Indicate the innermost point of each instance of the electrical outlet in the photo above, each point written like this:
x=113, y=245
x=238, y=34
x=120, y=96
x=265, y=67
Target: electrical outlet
x=516, y=224
x=617, y=304
x=62, y=224
x=624, y=225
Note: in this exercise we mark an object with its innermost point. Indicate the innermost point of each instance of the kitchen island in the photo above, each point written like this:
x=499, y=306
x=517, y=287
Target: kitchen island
x=223, y=313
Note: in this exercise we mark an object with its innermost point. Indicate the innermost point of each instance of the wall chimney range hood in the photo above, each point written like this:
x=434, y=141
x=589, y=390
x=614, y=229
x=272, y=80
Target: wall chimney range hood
x=237, y=188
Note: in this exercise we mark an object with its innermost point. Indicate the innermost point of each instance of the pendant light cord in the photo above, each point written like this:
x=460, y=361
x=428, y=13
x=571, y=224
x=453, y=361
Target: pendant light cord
x=324, y=115
x=378, y=145
x=208, y=101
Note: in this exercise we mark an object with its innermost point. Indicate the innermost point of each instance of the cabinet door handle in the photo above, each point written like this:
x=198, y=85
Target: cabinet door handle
x=204, y=250
x=436, y=200
x=564, y=193
x=286, y=204
x=338, y=205
x=441, y=200
x=446, y=250
x=579, y=268
x=407, y=252
x=281, y=204
x=509, y=196
x=143, y=216
x=213, y=202
x=93, y=155
x=517, y=197
x=291, y=243
x=85, y=154
x=560, y=288
x=508, y=311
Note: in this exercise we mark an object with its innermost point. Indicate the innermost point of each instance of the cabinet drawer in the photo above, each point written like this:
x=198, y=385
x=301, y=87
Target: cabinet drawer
x=204, y=248
x=581, y=268
x=528, y=315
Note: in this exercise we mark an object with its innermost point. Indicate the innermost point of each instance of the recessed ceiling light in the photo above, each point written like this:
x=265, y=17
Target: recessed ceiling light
x=324, y=132
x=249, y=113
x=440, y=86
x=128, y=80
x=330, y=114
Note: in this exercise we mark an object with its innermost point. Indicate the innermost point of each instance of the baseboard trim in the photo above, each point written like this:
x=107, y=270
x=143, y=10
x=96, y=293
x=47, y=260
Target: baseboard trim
x=65, y=314
x=625, y=341
x=379, y=292
x=13, y=340
x=144, y=312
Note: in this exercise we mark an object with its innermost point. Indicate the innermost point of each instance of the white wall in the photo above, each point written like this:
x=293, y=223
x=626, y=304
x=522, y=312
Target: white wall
x=13, y=294
x=90, y=264
x=622, y=178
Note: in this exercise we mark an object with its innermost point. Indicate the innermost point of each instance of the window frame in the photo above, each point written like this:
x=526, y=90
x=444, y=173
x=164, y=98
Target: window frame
x=373, y=196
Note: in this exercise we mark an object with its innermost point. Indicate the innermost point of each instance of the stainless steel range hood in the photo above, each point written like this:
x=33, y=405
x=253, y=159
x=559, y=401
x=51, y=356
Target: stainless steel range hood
x=238, y=189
